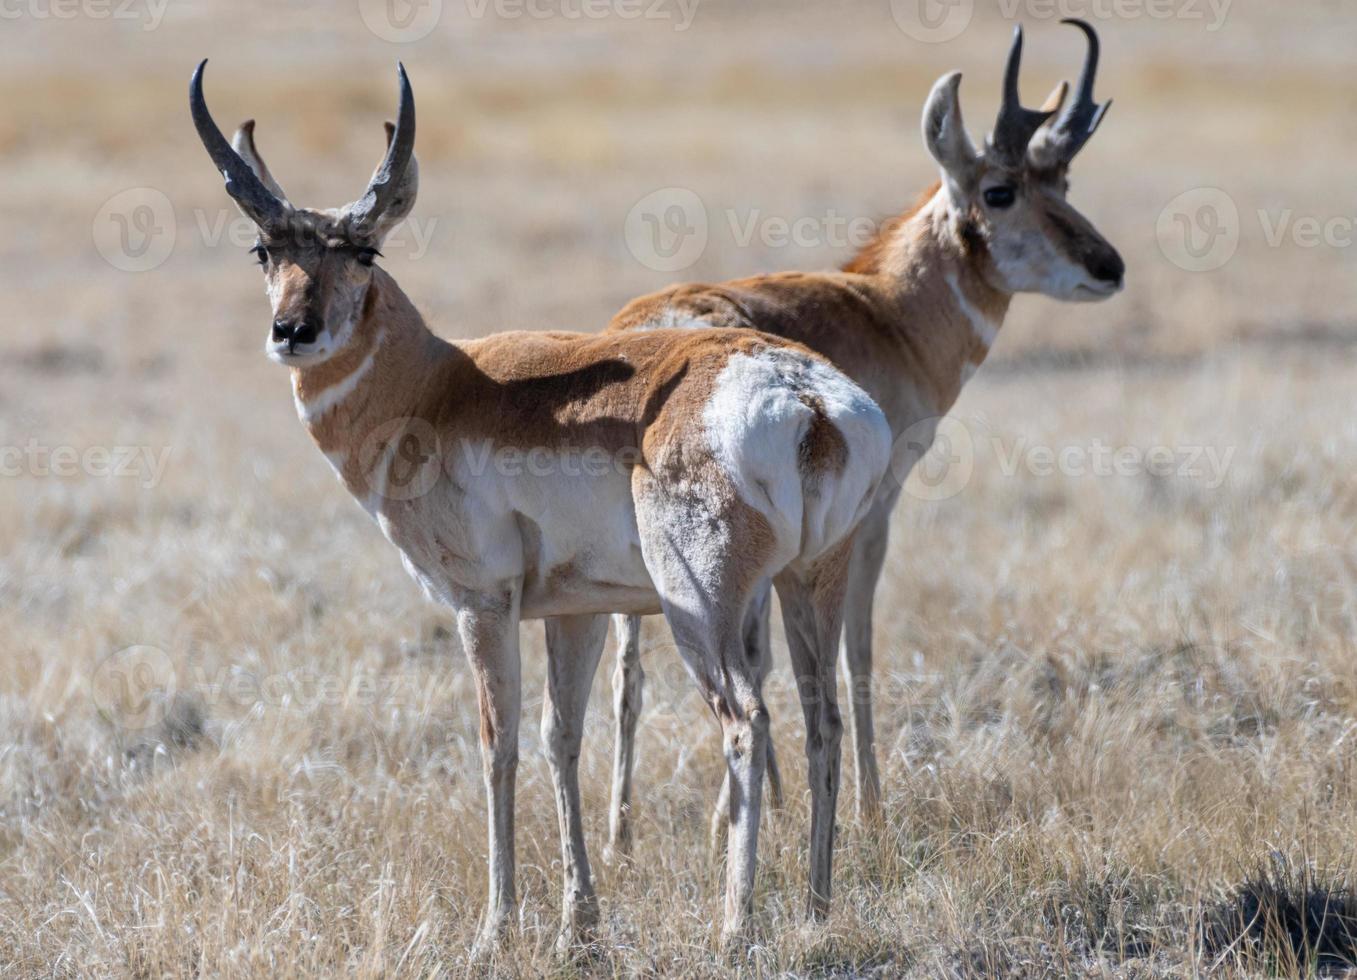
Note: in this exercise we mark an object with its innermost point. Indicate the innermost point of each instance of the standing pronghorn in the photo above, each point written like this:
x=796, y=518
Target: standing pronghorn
x=670, y=471
x=910, y=318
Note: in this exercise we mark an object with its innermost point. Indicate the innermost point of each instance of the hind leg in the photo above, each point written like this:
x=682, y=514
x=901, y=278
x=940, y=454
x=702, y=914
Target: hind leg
x=812, y=607
x=757, y=644
x=705, y=577
x=628, y=680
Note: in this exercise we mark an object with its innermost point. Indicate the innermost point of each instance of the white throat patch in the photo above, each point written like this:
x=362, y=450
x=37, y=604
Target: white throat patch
x=328, y=398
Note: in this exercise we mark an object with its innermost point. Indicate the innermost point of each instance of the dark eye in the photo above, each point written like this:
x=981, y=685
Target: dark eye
x=1000, y=197
x=261, y=252
x=366, y=256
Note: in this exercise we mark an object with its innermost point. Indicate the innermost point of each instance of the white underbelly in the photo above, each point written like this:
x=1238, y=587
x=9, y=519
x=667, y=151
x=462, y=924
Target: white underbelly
x=564, y=534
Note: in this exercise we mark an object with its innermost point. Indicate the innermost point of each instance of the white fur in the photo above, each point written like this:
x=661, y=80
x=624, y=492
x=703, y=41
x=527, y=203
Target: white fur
x=986, y=330
x=756, y=420
x=312, y=410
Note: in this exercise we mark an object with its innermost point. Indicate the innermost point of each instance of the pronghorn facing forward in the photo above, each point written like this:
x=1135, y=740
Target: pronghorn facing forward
x=910, y=318
x=668, y=471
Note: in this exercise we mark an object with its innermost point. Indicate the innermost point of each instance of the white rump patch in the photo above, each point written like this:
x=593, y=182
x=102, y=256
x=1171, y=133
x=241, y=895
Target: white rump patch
x=756, y=421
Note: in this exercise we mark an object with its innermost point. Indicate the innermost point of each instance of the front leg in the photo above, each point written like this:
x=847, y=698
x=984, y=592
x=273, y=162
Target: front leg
x=574, y=646
x=488, y=627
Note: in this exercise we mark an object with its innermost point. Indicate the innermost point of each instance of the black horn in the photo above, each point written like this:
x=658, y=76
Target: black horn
x=1016, y=125
x=262, y=207
x=1077, y=123
x=381, y=190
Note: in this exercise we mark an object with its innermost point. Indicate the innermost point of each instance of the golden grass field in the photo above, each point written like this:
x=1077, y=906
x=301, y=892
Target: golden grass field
x=1117, y=703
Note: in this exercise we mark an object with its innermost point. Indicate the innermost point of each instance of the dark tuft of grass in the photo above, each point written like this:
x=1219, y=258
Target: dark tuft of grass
x=1289, y=917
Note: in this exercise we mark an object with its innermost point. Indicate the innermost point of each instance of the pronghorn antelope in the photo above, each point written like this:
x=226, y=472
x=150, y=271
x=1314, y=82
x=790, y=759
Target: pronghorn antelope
x=910, y=318
x=674, y=472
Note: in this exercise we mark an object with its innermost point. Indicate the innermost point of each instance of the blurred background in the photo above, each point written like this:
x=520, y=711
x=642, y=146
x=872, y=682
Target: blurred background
x=1130, y=684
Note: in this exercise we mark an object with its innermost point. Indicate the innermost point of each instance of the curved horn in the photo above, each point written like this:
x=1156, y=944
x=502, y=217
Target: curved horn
x=258, y=203
x=1014, y=128
x=1077, y=123
x=367, y=210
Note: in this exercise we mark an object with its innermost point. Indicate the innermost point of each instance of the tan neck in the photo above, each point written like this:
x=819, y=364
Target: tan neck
x=381, y=375
x=947, y=314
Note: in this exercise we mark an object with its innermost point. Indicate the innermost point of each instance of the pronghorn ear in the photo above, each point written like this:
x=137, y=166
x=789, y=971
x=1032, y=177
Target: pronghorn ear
x=945, y=134
x=403, y=201
x=244, y=145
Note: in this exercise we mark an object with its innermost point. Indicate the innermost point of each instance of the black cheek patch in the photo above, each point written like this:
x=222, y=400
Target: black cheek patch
x=972, y=240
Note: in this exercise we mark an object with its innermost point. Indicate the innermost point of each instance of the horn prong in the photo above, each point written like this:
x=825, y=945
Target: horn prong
x=400, y=148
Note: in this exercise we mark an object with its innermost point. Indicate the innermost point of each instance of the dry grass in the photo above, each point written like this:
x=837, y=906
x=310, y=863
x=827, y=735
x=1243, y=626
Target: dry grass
x=1117, y=713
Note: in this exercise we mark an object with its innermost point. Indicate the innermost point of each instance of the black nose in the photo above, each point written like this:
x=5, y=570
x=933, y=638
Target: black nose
x=294, y=333
x=1106, y=265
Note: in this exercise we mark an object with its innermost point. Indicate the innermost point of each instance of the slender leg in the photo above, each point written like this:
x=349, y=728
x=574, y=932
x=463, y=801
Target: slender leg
x=869, y=554
x=628, y=679
x=705, y=595
x=812, y=608
x=758, y=649
x=488, y=627
x=574, y=646
x=745, y=739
